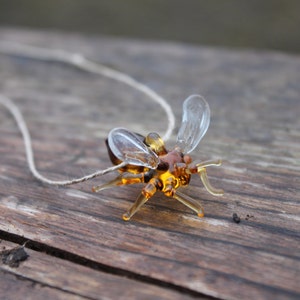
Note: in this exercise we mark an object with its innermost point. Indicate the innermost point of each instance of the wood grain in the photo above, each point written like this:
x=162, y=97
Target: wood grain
x=64, y=279
x=254, y=99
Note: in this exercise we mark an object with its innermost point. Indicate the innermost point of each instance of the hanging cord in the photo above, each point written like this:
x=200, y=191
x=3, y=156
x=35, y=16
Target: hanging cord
x=29, y=153
x=82, y=63
x=79, y=61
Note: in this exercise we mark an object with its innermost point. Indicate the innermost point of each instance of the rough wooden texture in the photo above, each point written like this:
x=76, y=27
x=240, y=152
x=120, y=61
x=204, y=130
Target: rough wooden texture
x=66, y=280
x=79, y=245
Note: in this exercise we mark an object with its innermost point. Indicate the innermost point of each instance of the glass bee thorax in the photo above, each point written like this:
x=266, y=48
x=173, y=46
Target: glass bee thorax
x=148, y=160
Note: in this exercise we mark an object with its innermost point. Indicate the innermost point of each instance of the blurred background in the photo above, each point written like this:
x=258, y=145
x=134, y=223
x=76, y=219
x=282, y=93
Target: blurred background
x=260, y=24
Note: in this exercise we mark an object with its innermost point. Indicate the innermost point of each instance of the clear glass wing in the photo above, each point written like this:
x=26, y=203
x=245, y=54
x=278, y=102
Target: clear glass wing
x=128, y=146
x=195, y=122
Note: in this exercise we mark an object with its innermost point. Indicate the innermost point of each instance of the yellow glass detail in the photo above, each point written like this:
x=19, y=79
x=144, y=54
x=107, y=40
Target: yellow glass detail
x=173, y=171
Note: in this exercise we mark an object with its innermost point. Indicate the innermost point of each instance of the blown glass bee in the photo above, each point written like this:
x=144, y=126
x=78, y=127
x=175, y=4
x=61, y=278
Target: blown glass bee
x=149, y=162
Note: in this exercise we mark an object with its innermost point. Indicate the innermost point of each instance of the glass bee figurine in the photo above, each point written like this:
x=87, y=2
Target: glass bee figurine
x=149, y=162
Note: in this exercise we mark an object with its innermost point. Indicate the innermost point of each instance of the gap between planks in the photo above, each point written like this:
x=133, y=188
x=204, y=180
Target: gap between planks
x=94, y=265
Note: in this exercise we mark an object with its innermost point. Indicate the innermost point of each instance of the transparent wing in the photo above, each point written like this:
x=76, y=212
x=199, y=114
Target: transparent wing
x=128, y=146
x=195, y=122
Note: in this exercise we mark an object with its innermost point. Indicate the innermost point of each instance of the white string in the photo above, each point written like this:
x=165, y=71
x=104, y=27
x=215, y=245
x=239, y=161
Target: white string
x=78, y=60
x=81, y=62
x=29, y=153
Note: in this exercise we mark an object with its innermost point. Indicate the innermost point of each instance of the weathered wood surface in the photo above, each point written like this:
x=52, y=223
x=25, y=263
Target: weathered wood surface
x=64, y=279
x=78, y=244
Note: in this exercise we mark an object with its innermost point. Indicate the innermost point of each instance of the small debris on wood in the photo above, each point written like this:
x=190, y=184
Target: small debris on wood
x=248, y=217
x=236, y=218
x=14, y=256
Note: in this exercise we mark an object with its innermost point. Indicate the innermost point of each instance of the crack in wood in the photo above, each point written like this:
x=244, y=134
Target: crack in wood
x=42, y=284
x=79, y=260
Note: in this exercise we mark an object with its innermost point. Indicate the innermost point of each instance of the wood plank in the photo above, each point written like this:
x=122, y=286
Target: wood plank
x=14, y=287
x=254, y=99
x=64, y=279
